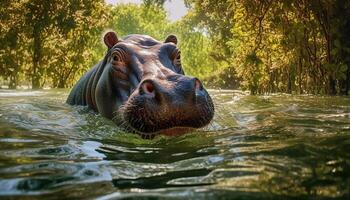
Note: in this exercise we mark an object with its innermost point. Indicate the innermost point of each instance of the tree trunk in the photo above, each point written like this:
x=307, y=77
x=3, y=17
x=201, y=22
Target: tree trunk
x=37, y=56
x=332, y=83
x=345, y=84
x=347, y=87
x=13, y=82
x=61, y=84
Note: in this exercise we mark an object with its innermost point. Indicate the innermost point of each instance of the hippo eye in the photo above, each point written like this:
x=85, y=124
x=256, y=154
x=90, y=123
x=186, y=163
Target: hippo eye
x=118, y=56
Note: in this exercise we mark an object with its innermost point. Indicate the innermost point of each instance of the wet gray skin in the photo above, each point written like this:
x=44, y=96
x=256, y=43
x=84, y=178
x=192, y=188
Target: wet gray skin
x=141, y=86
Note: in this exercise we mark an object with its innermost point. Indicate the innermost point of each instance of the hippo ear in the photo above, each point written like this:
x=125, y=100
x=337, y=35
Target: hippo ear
x=110, y=39
x=171, y=38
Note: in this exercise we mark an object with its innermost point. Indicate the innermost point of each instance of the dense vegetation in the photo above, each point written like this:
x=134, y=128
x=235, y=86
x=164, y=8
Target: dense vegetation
x=263, y=46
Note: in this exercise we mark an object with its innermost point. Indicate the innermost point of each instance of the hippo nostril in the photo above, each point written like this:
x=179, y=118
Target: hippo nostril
x=147, y=88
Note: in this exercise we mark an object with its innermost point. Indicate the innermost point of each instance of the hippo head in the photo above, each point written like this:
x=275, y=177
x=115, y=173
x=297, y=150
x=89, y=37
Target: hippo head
x=145, y=89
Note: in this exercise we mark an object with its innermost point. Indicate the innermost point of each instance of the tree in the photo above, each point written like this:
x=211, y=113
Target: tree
x=13, y=49
x=46, y=18
x=281, y=46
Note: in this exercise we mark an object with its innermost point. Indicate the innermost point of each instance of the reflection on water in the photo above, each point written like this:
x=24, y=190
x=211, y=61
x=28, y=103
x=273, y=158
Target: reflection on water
x=257, y=147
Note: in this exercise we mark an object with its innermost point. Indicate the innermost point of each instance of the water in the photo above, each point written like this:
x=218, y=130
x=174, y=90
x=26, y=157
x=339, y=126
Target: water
x=257, y=147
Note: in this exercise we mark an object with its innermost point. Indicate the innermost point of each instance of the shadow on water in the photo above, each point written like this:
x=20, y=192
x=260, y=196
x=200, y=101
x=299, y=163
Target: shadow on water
x=161, y=181
x=257, y=147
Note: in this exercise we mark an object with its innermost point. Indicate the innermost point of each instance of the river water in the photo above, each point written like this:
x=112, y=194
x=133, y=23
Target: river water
x=257, y=147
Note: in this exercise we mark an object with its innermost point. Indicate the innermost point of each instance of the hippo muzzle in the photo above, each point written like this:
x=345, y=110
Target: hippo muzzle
x=141, y=86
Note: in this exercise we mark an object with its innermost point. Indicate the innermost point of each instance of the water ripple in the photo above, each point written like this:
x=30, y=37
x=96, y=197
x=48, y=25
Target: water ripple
x=258, y=147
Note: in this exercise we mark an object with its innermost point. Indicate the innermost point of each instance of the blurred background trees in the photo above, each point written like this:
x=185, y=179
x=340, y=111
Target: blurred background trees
x=263, y=46
x=47, y=43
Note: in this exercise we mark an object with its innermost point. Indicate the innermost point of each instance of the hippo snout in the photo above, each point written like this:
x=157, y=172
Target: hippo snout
x=179, y=103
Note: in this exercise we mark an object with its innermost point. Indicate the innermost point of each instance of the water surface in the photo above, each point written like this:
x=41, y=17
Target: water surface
x=257, y=147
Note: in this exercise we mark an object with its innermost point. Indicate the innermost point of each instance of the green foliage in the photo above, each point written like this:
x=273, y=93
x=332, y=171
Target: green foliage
x=138, y=19
x=281, y=46
x=151, y=3
x=49, y=40
x=195, y=47
x=68, y=42
x=262, y=46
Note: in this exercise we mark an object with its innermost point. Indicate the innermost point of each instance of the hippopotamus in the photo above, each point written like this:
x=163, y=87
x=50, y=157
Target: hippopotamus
x=140, y=85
